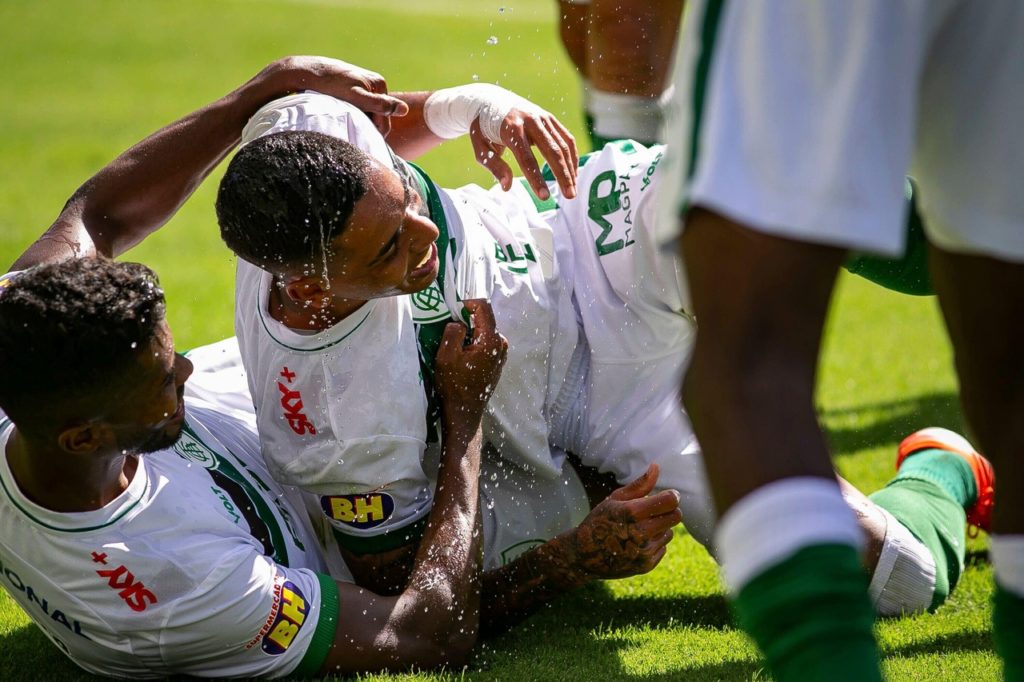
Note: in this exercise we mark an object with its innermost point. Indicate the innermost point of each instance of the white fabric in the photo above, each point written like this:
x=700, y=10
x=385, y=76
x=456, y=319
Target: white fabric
x=619, y=116
x=1008, y=562
x=629, y=301
x=903, y=582
x=776, y=521
x=812, y=117
x=450, y=112
x=180, y=531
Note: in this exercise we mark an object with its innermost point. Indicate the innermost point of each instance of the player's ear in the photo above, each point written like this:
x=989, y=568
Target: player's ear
x=83, y=438
x=308, y=291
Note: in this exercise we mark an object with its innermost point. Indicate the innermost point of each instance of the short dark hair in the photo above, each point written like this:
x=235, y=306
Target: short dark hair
x=69, y=332
x=286, y=196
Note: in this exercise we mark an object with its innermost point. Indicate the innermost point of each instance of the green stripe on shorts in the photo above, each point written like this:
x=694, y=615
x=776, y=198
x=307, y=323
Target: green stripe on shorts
x=708, y=34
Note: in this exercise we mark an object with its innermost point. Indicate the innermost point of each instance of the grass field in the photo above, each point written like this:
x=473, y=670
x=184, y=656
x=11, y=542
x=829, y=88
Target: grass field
x=83, y=80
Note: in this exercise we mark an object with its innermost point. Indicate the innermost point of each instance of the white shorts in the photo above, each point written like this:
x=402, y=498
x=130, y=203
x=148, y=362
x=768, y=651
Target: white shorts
x=629, y=300
x=800, y=119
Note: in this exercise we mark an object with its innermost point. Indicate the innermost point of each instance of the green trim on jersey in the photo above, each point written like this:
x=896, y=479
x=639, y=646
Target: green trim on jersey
x=375, y=544
x=3, y=424
x=278, y=546
x=429, y=191
x=428, y=334
x=708, y=34
x=259, y=312
x=326, y=626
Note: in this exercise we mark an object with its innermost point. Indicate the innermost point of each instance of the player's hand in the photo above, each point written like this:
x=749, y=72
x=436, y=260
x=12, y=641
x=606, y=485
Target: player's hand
x=628, y=532
x=521, y=130
x=466, y=373
x=363, y=88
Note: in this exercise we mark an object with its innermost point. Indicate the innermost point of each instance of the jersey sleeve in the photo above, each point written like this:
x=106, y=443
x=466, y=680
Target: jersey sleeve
x=252, y=618
x=319, y=113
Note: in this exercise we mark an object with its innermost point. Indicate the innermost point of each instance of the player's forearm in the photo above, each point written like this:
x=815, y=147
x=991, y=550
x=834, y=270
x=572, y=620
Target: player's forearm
x=517, y=589
x=410, y=137
x=443, y=598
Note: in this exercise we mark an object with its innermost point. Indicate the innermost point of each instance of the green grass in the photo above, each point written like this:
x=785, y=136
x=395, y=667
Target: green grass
x=83, y=80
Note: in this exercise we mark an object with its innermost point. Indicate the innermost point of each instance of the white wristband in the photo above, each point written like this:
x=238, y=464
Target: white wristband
x=450, y=112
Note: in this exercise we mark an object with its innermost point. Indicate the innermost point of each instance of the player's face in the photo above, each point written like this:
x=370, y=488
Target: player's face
x=387, y=248
x=153, y=412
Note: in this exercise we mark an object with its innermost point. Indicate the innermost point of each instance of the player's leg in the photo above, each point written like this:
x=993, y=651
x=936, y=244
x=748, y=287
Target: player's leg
x=982, y=301
x=629, y=52
x=783, y=169
x=970, y=164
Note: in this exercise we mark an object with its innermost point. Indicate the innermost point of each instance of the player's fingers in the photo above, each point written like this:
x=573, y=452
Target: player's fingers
x=657, y=526
x=655, y=559
x=569, y=140
x=489, y=156
x=520, y=146
x=377, y=102
x=484, y=324
x=561, y=163
x=638, y=488
x=451, y=341
x=554, y=154
x=664, y=502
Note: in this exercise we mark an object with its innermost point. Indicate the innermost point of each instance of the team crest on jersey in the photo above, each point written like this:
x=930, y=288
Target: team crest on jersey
x=192, y=449
x=359, y=511
x=288, y=621
x=428, y=305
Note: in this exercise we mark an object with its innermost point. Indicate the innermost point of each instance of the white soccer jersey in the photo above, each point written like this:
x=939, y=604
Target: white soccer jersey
x=343, y=412
x=203, y=566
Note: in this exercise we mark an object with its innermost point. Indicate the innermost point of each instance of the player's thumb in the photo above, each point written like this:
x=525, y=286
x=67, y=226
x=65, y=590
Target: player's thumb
x=641, y=487
x=379, y=103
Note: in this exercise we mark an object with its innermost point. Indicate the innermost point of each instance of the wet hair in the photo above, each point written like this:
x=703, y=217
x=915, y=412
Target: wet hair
x=70, y=335
x=286, y=196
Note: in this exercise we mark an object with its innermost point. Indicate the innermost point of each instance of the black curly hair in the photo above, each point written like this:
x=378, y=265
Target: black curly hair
x=70, y=334
x=286, y=196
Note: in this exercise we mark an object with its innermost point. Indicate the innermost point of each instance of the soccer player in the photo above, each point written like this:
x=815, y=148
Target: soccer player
x=319, y=215
x=797, y=126
x=139, y=527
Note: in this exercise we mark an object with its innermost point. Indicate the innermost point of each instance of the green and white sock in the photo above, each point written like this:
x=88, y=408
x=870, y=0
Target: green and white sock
x=927, y=497
x=790, y=553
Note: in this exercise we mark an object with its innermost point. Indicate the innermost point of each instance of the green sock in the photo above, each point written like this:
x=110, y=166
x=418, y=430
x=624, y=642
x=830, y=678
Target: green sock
x=1008, y=631
x=946, y=469
x=928, y=496
x=811, y=616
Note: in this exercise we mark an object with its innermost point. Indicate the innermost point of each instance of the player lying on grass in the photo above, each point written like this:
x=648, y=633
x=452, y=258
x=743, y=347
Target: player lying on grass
x=574, y=278
x=192, y=559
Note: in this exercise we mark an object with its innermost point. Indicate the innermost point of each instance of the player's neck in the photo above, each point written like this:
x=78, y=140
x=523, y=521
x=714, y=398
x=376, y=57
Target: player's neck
x=299, y=316
x=65, y=483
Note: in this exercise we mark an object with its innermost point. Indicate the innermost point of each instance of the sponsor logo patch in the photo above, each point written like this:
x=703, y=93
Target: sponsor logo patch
x=288, y=622
x=359, y=511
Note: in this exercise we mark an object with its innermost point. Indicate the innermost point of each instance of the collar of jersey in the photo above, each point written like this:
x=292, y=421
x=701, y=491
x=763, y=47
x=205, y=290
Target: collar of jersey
x=70, y=522
x=307, y=343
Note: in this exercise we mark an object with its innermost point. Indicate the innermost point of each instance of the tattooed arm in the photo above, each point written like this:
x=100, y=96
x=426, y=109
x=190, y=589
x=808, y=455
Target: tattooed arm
x=624, y=535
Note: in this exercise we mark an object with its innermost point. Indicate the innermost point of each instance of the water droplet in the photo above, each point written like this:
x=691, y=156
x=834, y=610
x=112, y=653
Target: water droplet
x=493, y=40
x=476, y=77
x=134, y=345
